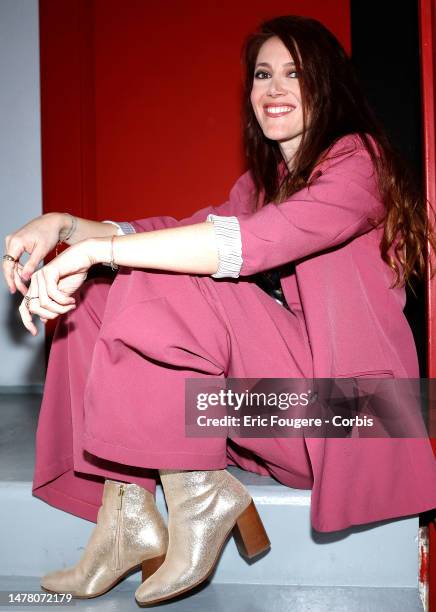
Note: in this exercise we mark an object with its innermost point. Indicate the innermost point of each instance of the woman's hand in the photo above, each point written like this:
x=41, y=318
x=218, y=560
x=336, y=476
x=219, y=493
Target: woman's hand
x=51, y=287
x=38, y=237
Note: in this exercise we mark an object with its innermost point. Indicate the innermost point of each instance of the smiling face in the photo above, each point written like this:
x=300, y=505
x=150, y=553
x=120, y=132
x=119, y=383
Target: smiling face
x=276, y=98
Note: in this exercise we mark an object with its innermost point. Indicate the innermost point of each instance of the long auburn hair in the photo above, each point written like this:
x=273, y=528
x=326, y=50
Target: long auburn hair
x=332, y=94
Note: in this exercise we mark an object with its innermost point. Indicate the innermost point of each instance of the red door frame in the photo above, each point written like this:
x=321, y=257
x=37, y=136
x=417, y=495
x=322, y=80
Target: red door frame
x=427, y=31
x=67, y=113
x=67, y=107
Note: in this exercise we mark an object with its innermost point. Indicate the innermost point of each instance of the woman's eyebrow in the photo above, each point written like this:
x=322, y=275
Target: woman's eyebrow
x=269, y=65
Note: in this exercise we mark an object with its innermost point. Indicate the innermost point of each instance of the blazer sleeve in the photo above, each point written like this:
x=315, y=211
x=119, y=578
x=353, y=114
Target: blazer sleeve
x=332, y=210
x=239, y=202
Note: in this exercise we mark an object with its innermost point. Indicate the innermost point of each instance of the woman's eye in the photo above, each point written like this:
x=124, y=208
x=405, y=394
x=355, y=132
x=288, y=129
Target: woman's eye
x=260, y=74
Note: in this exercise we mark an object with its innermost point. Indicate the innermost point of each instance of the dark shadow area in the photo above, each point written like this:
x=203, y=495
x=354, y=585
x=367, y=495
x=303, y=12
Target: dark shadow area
x=385, y=53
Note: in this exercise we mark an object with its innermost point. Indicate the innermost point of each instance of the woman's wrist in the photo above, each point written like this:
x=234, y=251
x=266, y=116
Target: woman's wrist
x=100, y=250
x=59, y=222
x=67, y=226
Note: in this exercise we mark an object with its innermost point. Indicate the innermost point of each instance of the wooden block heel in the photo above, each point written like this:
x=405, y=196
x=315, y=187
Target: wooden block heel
x=249, y=533
x=149, y=566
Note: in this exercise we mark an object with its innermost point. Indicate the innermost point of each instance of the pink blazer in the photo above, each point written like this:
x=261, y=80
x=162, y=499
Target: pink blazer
x=351, y=318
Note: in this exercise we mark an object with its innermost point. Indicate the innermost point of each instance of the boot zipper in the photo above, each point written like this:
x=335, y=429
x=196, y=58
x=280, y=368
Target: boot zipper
x=117, y=555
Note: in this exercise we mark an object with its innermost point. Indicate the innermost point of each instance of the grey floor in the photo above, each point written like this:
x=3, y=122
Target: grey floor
x=242, y=598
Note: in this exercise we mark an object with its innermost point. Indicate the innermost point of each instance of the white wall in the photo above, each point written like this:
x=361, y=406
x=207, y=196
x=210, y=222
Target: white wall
x=21, y=354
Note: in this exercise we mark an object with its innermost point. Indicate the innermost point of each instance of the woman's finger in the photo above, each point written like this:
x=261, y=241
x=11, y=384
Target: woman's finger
x=44, y=306
x=26, y=315
x=32, y=304
x=32, y=263
x=26, y=318
x=15, y=250
x=21, y=286
x=50, y=279
x=36, y=309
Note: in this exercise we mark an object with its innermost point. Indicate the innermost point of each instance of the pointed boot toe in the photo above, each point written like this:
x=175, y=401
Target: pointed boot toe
x=154, y=590
x=71, y=580
x=60, y=581
x=130, y=533
x=164, y=584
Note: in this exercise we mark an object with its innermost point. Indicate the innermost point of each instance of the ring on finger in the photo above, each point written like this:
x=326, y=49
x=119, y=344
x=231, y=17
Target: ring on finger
x=27, y=299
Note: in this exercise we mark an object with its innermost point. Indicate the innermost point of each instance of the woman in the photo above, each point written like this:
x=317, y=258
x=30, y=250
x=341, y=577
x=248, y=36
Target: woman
x=325, y=222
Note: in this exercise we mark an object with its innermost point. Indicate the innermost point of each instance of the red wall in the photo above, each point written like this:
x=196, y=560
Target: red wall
x=141, y=100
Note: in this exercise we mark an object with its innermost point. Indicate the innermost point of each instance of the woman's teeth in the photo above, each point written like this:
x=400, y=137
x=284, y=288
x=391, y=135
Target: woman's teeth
x=278, y=110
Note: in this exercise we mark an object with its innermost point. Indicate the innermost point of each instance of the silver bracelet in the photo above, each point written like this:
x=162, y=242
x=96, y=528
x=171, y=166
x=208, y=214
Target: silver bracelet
x=72, y=228
x=112, y=262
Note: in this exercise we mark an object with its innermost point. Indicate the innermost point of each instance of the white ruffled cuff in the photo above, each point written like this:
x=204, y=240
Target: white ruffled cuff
x=123, y=227
x=228, y=240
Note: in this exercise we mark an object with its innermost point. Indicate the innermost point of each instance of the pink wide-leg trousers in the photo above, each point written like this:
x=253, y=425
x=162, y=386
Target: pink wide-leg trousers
x=114, y=397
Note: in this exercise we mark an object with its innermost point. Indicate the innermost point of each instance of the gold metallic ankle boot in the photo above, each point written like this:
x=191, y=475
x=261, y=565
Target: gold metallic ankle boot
x=203, y=508
x=130, y=532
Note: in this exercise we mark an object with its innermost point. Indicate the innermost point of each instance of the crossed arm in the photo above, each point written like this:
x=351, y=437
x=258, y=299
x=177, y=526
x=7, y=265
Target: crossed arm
x=196, y=248
x=335, y=208
x=190, y=249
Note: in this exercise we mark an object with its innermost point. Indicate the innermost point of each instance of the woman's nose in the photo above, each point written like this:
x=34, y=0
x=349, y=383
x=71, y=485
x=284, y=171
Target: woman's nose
x=276, y=88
